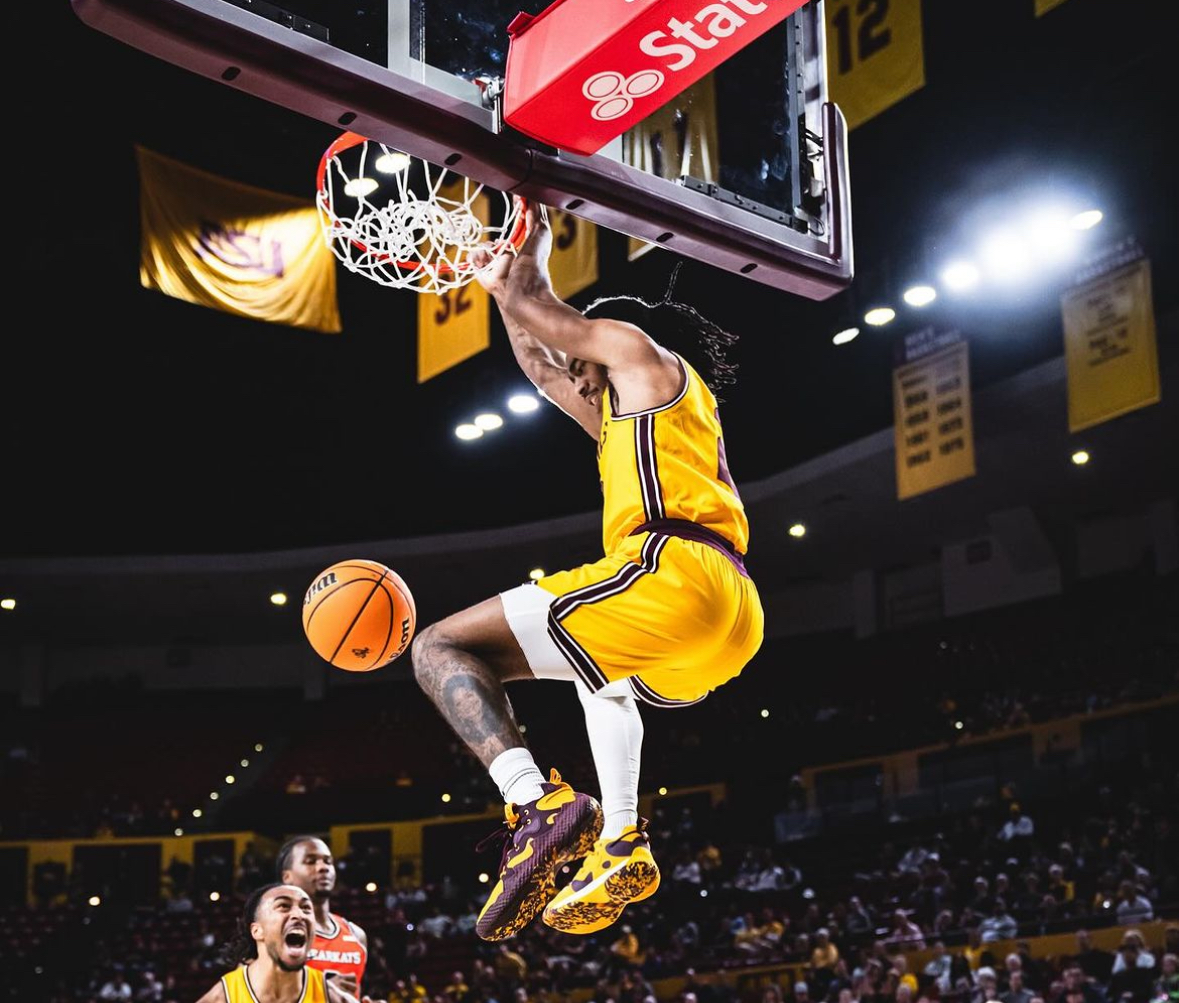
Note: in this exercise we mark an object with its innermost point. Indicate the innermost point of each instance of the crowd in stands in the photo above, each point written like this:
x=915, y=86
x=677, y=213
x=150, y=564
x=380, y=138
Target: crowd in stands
x=963, y=896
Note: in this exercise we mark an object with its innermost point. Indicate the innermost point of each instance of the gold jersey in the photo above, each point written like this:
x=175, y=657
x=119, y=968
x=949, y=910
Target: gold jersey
x=668, y=463
x=238, y=989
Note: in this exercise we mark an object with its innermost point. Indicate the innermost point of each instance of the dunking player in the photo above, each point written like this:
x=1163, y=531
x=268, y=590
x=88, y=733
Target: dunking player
x=666, y=616
x=269, y=952
x=340, y=949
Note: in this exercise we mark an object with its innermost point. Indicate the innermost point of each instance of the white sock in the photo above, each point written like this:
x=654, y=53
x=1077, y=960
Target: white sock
x=516, y=775
x=615, y=731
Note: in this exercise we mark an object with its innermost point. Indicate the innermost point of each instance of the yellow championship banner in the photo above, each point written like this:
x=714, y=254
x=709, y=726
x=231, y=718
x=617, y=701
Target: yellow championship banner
x=680, y=138
x=1110, y=347
x=1044, y=6
x=455, y=324
x=875, y=55
x=573, y=265
x=236, y=248
x=932, y=416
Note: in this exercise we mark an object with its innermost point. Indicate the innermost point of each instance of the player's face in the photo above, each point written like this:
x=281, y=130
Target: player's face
x=312, y=869
x=285, y=926
x=589, y=379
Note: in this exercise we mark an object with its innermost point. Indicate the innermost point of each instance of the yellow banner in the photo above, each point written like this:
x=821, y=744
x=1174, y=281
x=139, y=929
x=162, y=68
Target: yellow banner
x=1044, y=6
x=574, y=262
x=932, y=421
x=680, y=138
x=875, y=55
x=232, y=247
x=1110, y=348
x=456, y=324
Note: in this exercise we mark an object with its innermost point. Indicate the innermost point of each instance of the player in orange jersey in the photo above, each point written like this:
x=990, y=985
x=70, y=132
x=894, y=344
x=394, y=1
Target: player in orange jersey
x=269, y=953
x=667, y=615
x=340, y=949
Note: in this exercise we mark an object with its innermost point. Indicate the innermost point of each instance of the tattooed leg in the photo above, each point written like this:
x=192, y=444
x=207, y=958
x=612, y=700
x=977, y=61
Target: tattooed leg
x=461, y=665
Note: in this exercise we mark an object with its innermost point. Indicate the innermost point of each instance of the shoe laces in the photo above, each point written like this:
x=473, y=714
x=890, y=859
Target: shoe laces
x=502, y=834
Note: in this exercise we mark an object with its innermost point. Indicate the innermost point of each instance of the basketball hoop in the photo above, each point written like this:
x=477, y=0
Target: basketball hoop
x=405, y=223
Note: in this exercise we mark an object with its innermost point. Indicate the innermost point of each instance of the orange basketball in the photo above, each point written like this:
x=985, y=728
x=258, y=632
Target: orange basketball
x=359, y=615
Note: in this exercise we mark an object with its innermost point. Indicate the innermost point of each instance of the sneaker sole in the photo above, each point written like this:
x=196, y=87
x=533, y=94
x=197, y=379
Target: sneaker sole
x=633, y=883
x=539, y=891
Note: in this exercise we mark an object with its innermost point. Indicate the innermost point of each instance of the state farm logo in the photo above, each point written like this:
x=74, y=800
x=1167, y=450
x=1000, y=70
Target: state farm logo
x=614, y=95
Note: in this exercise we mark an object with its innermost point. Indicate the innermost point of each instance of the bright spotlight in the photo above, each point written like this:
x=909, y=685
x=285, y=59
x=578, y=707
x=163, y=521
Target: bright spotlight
x=177, y=832
x=1080, y=457
x=846, y=335
x=663, y=792
x=7, y=604
x=446, y=799
x=197, y=813
x=960, y=276
x=391, y=163
x=214, y=896
x=765, y=712
x=920, y=295
x=522, y=403
x=370, y=887
x=231, y=779
x=1051, y=236
x=798, y=531
x=878, y=316
x=1087, y=220
x=484, y=877
x=468, y=432
x=278, y=598
x=94, y=900
x=536, y=574
x=1006, y=256
x=488, y=421
x=358, y=188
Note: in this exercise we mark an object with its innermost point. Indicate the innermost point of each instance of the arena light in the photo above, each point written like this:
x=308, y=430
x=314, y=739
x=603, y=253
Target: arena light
x=7, y=604
x=523, y=403
x=536, y=574
x=488, y=421
x=960, y=276
x=878, y=316
x=1006, y=256
x=467, y=431
x=258, y=747
x=484, y=877
x=704, y=893
x=1052, y=237
x=213, y=796
x=245, y=763
x=958, y=726
x=214, y=896
x=446, y=799
x=197, y=813
x=94, y=900
x=370, y=887
x=798, y=531
x=920, y=296
x=1087, y=220
x=663, y=792
x=765, y=712
x=409, y=928
x=1080, y=457
x=846, y=335
x=360, y=187
x=230, y=779
x=177, y=832
x=278, y=598
x=393, y=162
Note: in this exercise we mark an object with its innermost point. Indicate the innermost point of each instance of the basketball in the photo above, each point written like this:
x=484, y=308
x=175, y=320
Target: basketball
x=359, y=615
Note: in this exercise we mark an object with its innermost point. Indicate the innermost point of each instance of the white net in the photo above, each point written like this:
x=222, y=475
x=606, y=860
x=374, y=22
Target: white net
x=405, y=223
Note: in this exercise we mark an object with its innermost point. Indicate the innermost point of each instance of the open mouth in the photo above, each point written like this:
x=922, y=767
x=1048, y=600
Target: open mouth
x=295, y=939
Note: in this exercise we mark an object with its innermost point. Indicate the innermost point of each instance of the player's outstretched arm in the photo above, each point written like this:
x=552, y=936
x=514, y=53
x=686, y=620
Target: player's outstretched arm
x=525, y=296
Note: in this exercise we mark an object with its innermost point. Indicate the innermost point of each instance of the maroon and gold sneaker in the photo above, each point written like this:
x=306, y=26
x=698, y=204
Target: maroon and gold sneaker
x=541, y=836
x=616, y=873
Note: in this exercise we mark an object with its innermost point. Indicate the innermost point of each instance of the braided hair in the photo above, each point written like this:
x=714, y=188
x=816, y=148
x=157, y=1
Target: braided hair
x=679, y=328
x=241, y=947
